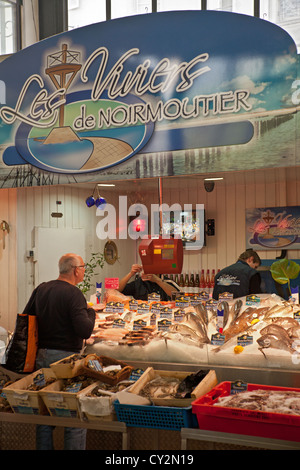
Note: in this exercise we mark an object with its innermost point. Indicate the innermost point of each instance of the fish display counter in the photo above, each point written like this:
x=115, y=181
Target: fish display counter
x=261, y=331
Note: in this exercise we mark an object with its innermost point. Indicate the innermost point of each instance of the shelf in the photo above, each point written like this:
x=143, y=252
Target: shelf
x=114, y=426
x=235, y=439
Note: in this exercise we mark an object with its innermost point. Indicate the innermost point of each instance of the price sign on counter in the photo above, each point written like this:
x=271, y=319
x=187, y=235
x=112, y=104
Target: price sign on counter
x=111, y=283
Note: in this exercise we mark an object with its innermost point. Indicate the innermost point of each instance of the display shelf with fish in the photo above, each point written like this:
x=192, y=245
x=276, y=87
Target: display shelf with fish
x=242, y=324
x=248, y=320
x=276, y=336
x=187, y=338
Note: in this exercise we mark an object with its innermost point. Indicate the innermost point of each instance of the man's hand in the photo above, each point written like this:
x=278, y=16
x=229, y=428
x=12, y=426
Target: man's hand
x=150, y=277
x=136, y=268
x=169, y=289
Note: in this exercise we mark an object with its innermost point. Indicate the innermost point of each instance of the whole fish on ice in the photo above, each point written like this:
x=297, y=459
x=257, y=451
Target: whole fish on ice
x=274, y=341
x=234, y=311
x=244, y=322
x=274, y=329
x=184, y=333
x=192, y=320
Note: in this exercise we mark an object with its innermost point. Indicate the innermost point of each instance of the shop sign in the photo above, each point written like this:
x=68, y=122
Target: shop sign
x=96, y=98
x=273, y=228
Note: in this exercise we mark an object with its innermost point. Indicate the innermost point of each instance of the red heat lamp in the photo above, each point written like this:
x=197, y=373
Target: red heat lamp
x=138, y=225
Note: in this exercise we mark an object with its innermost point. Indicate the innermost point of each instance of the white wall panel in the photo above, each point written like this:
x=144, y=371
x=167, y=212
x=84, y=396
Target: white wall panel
x=8, y=268
x=26, y=208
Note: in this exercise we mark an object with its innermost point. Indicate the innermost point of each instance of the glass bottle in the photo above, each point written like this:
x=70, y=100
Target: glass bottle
x=207, y=281
x=202, y=281
x=197, y=283
x=192, y=284
x=186, y=283
x=212, y=279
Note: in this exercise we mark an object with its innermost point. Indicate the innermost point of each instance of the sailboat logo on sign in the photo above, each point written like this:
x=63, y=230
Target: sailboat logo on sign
x=76, y=144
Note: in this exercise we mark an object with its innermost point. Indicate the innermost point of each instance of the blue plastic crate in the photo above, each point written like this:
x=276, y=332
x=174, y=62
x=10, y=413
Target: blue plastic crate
x=161, y=417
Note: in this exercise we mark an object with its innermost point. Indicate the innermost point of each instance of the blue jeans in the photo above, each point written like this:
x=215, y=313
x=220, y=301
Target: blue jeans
x=74, y=438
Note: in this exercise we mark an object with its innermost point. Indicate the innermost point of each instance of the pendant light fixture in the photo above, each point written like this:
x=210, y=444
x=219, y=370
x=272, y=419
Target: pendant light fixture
x=97, y=201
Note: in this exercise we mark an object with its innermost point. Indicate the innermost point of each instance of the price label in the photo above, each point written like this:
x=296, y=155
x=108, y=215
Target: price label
x=111, y=283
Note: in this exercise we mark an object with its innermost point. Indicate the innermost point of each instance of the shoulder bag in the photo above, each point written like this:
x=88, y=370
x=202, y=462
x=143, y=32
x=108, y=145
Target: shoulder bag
x=21, y=350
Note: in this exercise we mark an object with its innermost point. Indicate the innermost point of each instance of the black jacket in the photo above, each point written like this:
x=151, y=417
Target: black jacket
x=140, y=289
x=239, y=279
x=63, y=317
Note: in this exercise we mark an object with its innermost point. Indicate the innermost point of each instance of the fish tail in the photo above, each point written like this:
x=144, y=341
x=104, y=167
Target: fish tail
x=261, y=350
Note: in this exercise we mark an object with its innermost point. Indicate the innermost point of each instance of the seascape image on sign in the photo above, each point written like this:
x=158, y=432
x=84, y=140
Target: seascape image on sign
x=98, y=101
x=75, y=148
x=273, y=227
x=75, y=143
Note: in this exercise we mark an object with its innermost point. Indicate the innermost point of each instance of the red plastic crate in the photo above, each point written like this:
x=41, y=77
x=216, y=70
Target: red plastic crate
x=243, y=421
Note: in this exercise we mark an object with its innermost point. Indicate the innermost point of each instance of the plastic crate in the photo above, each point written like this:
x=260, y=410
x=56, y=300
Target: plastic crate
x=244, y=421
x=151, y=416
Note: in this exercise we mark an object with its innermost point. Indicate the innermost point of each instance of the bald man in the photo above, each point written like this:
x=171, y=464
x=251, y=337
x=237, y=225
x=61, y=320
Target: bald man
x=64, y=321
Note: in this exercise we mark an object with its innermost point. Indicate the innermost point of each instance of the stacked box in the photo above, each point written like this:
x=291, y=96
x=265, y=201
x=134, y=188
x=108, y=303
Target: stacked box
x=208, y=382
x=27, y=401
x=96, y=408
x=60, y=403
x=67, y=370
x=103, y=362
x=164, y=413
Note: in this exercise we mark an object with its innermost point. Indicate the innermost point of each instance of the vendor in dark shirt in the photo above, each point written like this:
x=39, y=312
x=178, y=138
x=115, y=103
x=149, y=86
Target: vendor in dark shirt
x=146, y=284
x=240, y=278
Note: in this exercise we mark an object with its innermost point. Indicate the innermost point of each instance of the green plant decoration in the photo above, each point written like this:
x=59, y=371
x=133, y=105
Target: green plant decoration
x=97, y=261
x=283, y=270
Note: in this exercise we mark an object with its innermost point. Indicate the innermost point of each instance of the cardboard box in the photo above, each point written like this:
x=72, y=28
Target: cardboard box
x=59, y=402
x=122, y=369
x=26, y=401
x=209, y=381
x=96, y=408
x=67, y=370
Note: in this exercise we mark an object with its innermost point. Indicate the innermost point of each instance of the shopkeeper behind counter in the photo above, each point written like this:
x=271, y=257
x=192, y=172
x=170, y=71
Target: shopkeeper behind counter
x=240, y=278
x=146, y=284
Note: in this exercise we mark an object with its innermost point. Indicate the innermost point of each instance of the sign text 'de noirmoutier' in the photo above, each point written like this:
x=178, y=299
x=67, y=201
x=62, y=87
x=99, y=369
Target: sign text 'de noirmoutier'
x=165, y=75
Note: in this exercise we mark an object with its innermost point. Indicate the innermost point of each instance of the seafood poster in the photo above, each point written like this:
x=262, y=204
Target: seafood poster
x=108, y=101
x=273, y=227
